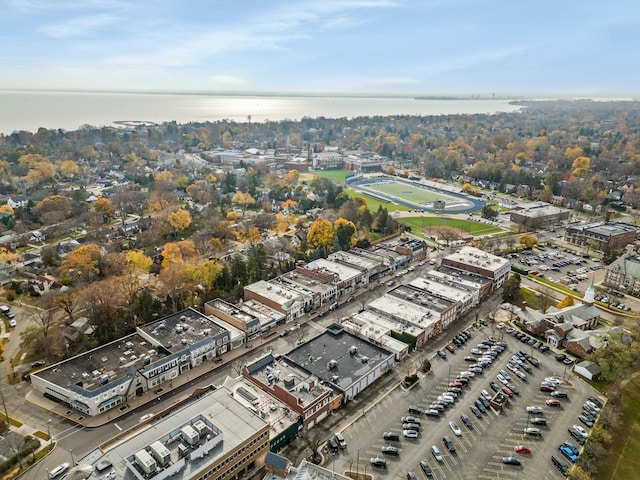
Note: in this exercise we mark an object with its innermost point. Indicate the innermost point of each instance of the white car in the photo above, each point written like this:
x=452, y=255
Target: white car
x=59, y=470
x=533, y=409
x=456, y=428
x=502, y=380
x=13, y=323
x=579, y=429
x=410, y=434
x=145, y=417
x=500, y=326
x=342, y=443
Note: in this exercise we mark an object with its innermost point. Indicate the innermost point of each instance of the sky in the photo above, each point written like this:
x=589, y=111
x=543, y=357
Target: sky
x=577, y=47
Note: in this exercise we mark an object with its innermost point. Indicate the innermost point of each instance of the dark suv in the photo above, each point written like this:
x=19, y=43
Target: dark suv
x=449, y=443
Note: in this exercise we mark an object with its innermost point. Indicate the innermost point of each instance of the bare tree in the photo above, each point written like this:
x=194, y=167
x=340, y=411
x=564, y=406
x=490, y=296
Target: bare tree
x=45, y=313
x=545, y=300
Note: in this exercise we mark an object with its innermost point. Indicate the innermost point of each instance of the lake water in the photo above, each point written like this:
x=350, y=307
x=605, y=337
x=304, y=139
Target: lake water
x=27, y=110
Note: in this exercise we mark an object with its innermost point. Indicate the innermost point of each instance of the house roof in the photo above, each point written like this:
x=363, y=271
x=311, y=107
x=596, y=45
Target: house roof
x=591, y=367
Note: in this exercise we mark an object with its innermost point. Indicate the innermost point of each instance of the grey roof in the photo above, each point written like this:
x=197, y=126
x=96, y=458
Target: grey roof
x=338, y=357
x=276, y=461
x=628, y=264
x=591, y=367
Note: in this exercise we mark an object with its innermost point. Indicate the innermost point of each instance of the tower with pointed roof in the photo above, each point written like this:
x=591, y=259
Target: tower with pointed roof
x=589, y=295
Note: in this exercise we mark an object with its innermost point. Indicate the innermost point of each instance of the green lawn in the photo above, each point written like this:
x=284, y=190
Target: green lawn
x=374, y=203
x=474, y=228
x=407, y=192
x=622, y=461
x=337, y=176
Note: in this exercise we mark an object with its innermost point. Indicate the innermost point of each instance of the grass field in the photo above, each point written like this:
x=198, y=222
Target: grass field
x=473, y=228
x=374, y=203
x=407, y=192
x=337, y=176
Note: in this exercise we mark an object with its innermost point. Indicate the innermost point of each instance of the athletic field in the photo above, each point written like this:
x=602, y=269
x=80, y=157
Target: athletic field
x=431, y=225
x=407, y=192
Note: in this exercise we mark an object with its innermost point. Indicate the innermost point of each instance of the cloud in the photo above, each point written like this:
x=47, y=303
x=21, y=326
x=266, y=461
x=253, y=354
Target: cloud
x=79, y=26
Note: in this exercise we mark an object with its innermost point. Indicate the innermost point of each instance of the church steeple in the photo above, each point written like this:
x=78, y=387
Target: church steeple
x=589, y=295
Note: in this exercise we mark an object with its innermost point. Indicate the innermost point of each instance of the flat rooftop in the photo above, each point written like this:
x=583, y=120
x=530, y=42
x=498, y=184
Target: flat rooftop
x=420, y=296
x=225, y=424
x=463, y=277
x=103, y=365
x=305, y=284
x=607, y=229
x=343, y=272
x=338, y=357
x=271, y=409
x=356, y=260
x=406, y=311
x=278, y=293
x=300, y=383
x=540, y=211
x=267, y=315
x=479, y=258
x=180, y=330
x=250, y=321
x=441, y=289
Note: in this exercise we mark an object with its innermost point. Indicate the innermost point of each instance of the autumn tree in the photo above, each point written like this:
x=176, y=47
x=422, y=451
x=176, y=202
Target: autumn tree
x=566, y=302
x=83, y=263
x=68, y=168
x=139, y=260
x=6, y=209
x=244, y=200
x=8, y=257
x=67, y=301
x=320, y=234
x=179, y=220
x=41, y=172
x=581, y=166
x=345, y=233
x=53, y=209
x=253, y=236
x=176, y=252
x=528, y=240
x=104, y=207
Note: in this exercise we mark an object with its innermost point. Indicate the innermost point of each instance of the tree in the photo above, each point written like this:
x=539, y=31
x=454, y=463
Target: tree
x=467, y=187
x=53, y=209
x=244, y=200
x=566, y=302
x=449, y=235
x=7, y=210
x=179, y=220
x=590, y=245
x=489, y=212
x=511, y=288
x=67, y=301
x=253, y=236
x=528, y=240
x=345, y=233
x=177, y=252
x=139, y=260
x=581, y=166
x=46, y=312
x=320, y=234
x=313, y=443
x=83, y=262
x=104, y=207
x=69, y=168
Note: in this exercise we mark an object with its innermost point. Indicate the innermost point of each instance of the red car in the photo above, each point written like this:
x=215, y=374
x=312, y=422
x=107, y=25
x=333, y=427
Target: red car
x=553, y=402
x=547, y=388
x=449, y=347
x=522, y=449
x=460, y=385
x=508, y=391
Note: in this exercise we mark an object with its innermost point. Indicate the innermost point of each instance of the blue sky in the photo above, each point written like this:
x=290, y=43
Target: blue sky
x=363, y=46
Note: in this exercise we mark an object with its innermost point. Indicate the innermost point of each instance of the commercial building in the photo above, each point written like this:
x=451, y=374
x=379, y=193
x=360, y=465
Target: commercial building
x=112, y=375
x=347, y=363
x=304, y=394
x=347, y=279
x=539, y=216
x=612, y=235
x=479, y=262
x=281, y=298
x=395, y=337
x=212, y=436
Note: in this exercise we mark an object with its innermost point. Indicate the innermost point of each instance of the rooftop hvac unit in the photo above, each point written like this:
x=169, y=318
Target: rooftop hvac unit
x=146, y=463
x=332, y=364
x=129, y=345
x=353, y=350
x=201, y=428
x=160, y=453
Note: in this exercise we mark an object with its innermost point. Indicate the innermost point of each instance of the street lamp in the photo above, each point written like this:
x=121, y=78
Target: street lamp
x=72, y=461
x=49, y=429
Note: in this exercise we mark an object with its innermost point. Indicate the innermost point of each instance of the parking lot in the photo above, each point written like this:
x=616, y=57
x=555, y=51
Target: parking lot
x=489, y=437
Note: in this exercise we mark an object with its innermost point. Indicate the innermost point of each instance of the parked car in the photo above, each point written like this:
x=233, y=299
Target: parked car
x=426, y=468
x=532, y=431
x=391, y=436
x=435, y=451
x=553, y=402
x=466, y=420
x=333, y=445
x=455, y=428
x=415, y=410
x=534, y=410
x=390, y=450
x=378, y=462
x=547, y=388
x=410, y=434
x=521, y=449
x=442, y=353
x=559, y=394
x=586, y=420
x=448, y=443
x=341, y=440
x=539, y=421
x=511, y=460
x=563, y=468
